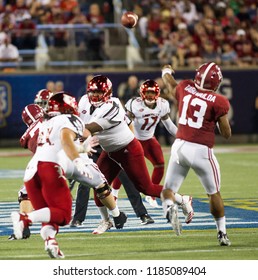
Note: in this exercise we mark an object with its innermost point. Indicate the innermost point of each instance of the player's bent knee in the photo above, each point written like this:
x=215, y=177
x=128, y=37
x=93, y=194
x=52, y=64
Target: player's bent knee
x=104, y=191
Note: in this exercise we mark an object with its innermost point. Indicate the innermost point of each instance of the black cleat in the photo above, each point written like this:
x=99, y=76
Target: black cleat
x=25, y=234
x=75, y=223
x=12, y=237
x=120, y=220
x=146, y=219
x=223, y=239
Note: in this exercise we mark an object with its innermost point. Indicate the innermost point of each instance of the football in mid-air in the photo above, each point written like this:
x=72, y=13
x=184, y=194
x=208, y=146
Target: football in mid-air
x=129, y=19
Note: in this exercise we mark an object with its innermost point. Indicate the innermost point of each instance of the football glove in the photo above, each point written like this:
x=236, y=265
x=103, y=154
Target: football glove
x=82, y=167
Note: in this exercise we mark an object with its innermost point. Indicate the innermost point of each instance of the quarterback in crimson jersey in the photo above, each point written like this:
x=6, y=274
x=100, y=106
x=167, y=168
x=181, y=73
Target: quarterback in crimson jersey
x=200, y=110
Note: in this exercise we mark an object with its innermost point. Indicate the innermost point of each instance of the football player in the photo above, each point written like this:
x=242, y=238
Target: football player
x=105, y=116
x=32, y=116
x=50, y=195
x=42, y=97
x=146, y=112
x=200, y=110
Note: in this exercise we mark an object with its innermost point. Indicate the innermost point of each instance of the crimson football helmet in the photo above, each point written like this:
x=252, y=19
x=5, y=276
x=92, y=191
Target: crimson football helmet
x=62, y=103
x=208, y=76
x=149, y=86
x=42, y=97
x=32, y=113
x=99, y=90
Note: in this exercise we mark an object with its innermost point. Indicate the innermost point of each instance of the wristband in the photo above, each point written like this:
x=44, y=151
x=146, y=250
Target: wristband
x=166, y=71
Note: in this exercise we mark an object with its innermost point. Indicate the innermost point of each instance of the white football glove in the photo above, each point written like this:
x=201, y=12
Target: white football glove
x=82, y=167
x=89, y=143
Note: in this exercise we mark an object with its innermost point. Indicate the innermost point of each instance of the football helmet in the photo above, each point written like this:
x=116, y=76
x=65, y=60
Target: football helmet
x=42, y=97
x=208, y=76
x=149, y=86
x=99, y=90
x=32, y=113
x=62, y=103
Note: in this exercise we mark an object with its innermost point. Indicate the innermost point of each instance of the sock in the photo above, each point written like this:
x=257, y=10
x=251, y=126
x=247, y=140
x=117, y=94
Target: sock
x=221, y=224
x=115, y=192
x=103, y=213
x=47, y=231
x=165, y=204
x=179, y=198
x=40, y=216
x=115, y=212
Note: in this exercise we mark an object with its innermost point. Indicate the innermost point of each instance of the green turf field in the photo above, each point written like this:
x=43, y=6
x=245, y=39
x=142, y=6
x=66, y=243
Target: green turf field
x=239, y=171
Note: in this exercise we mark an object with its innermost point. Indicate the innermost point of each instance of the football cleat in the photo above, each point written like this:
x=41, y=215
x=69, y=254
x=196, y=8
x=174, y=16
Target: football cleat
x=187, y=208
x=20, y=224
x=25, y=235
x=120, y=220
x=75, y=223
x=152, y=201
x=172, y=217
x=146, y=219
x=52, y=248
x=223, y=239
x=12, y=237
x=103, y=227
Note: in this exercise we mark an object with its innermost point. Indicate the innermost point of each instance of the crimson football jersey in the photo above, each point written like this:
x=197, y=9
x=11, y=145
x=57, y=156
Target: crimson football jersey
x=30, y=136
x=199, y=111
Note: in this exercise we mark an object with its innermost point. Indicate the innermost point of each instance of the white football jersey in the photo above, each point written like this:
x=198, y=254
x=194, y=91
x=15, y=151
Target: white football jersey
x=49, y=144
x=146, y=119
x=118, y=134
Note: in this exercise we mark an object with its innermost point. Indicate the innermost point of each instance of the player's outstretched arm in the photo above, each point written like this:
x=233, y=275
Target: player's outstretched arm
x=169, y=81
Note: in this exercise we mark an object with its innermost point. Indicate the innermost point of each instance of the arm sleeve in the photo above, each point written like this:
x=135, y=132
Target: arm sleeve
x=170, y=126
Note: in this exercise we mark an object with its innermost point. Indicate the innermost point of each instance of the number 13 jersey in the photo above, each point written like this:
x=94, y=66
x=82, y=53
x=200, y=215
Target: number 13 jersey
x=199, y=111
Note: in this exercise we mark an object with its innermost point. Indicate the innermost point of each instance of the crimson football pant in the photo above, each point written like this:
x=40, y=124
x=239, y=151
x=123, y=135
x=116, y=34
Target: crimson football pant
x=153, y=152
x=131, y=159
x=49, y=188
x=82, y=196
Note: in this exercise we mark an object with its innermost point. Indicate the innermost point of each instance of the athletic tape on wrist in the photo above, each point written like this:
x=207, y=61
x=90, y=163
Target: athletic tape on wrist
x=166, y=71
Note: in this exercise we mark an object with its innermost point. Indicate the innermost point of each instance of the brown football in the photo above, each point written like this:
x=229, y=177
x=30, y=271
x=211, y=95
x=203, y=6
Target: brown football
x=129, y=19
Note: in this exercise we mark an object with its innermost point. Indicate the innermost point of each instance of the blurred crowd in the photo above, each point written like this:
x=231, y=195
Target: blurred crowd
x=182, y=32
x=187, y=33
